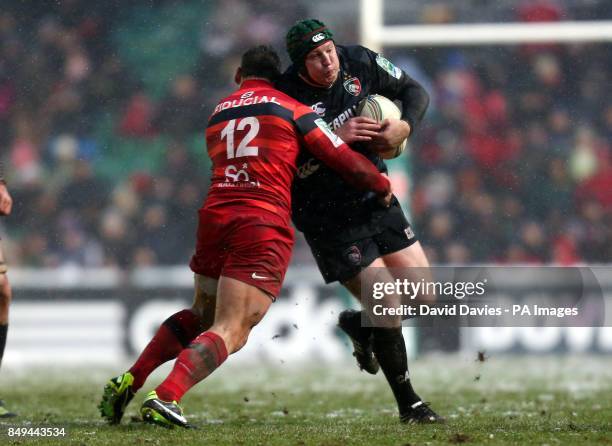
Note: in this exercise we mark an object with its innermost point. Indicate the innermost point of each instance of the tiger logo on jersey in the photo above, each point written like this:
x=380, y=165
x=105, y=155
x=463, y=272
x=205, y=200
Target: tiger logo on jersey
x=352, y=86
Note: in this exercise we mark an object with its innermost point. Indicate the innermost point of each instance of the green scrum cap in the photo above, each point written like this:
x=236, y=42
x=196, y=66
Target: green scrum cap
x=305, y=36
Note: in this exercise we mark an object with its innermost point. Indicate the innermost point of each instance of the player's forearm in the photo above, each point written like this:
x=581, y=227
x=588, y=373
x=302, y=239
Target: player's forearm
x=352, y=166
x=357, y=170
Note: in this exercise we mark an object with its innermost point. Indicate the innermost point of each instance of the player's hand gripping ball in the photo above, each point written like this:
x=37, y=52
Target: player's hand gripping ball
x=379, y=108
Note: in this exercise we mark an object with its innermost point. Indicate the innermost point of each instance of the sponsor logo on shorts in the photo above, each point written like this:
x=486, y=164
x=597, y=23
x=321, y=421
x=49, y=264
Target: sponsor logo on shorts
x=353, y=255
x=353, y=86
x=409, y=233
x=258, y=277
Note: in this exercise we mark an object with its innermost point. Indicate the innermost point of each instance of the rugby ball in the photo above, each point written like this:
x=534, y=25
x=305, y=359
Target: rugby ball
x=379, y=108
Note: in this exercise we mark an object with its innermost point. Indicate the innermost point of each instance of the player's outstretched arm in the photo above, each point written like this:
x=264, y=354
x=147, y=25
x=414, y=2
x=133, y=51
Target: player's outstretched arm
x=329, y=148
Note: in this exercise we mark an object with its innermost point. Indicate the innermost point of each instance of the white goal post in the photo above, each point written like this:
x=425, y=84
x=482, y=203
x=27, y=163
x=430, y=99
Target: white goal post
x=375, y=35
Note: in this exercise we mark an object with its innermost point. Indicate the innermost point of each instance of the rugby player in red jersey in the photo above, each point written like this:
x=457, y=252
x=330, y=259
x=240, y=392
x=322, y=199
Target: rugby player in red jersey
x=6, y=204
x=244, y=238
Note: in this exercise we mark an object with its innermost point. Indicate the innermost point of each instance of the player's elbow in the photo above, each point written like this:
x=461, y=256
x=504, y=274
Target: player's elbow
x=420, y=100
x=426, y=99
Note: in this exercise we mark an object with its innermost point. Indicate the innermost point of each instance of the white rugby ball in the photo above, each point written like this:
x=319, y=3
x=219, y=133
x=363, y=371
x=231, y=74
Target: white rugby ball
x=379, y=108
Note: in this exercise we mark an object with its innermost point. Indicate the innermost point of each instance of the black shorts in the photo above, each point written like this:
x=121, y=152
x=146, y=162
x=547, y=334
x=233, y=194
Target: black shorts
x=339, y=259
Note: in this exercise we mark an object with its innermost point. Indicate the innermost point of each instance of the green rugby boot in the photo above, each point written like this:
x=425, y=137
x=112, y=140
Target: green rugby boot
x=117, y=394
x=162, y=413
x=4, y=412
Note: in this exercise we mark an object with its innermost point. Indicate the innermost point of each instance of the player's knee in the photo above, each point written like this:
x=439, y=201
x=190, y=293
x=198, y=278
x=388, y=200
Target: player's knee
x=197, y=310
x=205, y=314
x=390, y=322
x=203, y=303
x=207, y=319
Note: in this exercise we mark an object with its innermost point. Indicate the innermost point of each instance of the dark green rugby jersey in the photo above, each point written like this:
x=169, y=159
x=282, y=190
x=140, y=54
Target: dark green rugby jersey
x=322, y=203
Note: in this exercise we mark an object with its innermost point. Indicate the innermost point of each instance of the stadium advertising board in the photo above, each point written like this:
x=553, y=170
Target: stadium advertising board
x=100, y=317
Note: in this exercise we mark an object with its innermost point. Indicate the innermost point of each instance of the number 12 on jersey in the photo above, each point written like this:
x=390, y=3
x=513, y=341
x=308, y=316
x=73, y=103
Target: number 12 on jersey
x=243, y=147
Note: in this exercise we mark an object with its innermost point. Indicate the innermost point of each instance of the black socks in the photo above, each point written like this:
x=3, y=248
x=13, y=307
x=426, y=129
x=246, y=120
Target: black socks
x=3, y=331
x=390, y=350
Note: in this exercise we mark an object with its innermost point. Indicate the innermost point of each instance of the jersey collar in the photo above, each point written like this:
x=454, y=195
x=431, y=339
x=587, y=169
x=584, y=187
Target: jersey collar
x=255, y=83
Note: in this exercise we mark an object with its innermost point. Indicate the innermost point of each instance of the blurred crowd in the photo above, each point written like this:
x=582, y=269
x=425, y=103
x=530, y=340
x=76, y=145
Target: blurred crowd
x=514, y=162
x=511, y=164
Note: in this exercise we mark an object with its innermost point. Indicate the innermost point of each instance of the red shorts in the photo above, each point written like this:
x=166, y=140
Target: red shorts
x=245, y=244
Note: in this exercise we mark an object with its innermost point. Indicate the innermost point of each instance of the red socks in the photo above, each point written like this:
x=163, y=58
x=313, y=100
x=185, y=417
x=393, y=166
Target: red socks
x=174, y=334
x=200, y=359
x=197, y=358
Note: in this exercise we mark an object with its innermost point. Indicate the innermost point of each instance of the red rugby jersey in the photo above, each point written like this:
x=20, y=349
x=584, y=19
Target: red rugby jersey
x=253, y=139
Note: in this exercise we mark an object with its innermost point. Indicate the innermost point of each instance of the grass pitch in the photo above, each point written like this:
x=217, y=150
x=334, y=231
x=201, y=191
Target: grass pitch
x=511, y=400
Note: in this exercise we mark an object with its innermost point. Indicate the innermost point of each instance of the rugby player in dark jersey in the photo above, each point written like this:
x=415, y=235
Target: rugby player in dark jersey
x=6, y=203
x=346, y=229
